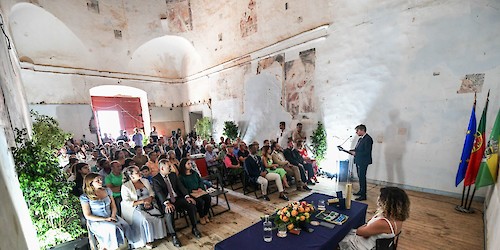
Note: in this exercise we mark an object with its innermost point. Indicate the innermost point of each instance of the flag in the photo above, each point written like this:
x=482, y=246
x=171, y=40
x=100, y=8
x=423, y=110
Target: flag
x=488, y=170
x=469, y=141
x=478, y=149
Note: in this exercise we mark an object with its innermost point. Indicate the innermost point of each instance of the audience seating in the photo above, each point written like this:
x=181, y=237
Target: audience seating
x=387, y=244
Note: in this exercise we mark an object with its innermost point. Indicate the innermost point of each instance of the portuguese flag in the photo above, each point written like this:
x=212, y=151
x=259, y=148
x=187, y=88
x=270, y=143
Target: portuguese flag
x=477, y=150
x=488, y=171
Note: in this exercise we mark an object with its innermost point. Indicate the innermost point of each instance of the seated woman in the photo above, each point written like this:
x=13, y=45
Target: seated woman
x=99, y=209
x=303, y=152
x=82, y=169
x=194, y=185
x=139, y=211
x=393, y=208
x=271, y=167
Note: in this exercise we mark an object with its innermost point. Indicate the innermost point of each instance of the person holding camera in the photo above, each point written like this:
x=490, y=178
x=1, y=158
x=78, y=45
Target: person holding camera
x=140, y=210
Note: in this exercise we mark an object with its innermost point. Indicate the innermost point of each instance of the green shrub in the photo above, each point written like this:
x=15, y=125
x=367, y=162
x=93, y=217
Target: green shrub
x=203, y=128
x=230, y=130
x=319, y=145
x=53, y=209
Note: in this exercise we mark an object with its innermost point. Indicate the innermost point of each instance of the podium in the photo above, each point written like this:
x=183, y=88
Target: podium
x=343, y=170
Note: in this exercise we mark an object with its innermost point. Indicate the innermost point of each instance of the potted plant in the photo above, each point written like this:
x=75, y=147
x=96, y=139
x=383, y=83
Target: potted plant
x=203, y=128
x=230, y=130
x=53, y=209
x=318, y=143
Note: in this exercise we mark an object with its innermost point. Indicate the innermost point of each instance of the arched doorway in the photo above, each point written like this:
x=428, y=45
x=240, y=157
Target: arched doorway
x=118, y=108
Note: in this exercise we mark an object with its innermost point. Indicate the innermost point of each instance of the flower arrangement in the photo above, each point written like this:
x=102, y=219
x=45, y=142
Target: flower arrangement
x=294, y=214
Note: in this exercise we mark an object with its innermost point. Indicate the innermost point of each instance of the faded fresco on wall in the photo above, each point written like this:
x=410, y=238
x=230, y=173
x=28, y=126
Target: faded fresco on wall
x=248, y=23
x=472, y=83
x=267, y=62
x=299, y=84
x=274, y=66
x=179, y=15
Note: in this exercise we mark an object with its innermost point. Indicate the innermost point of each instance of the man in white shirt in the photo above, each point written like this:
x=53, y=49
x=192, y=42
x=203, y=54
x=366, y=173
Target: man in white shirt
x=283, y=135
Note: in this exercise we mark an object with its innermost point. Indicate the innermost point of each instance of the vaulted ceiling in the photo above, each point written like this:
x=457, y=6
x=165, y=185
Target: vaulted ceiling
x=170, y=39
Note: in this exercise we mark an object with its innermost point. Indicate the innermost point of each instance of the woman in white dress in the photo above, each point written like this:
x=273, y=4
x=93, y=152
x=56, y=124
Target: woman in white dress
x=393, y=208
x=138, y=209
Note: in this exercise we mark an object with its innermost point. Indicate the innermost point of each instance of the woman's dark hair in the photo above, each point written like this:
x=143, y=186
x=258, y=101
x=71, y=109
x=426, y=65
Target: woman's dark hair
x=128, y=172
x=394, y=203
x=182, y=166
x=79, y=167
x=127, y=162
x=264, y=150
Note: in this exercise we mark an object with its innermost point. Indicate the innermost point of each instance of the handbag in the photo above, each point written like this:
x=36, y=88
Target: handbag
x=150, y=209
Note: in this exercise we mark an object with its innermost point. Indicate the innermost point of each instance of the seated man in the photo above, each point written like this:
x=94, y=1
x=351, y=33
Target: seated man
x=172, y=195
x=231, y=162
x=290, y=169
x=293, y=156
x=258, y=173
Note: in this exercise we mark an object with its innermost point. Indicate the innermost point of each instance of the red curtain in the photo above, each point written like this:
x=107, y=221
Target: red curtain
x=129, y=110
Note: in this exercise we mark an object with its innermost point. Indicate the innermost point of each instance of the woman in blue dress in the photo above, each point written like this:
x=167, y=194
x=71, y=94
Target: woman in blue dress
x=99, y=209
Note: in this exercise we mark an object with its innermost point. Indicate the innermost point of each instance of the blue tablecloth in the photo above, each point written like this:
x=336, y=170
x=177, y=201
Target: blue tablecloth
x=322, y=238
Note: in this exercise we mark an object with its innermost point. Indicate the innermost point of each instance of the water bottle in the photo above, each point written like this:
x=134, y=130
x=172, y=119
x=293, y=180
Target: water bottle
x=268, y=230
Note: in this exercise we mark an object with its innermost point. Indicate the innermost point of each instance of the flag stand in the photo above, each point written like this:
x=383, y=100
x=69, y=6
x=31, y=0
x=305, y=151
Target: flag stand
x=463, y=207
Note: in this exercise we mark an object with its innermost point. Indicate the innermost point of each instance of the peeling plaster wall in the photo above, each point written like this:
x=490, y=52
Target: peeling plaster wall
x=109, y=36
x=395, y=67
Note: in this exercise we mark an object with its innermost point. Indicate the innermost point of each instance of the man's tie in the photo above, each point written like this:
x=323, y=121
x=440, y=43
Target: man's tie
x=359, y=140
x=170, y=189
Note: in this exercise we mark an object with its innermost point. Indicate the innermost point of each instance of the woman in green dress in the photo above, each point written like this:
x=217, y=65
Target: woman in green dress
x=273, y=167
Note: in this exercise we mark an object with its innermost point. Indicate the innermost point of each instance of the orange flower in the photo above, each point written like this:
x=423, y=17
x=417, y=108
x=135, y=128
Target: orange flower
x=302, y=218
x=294, y=213
x=290, y=226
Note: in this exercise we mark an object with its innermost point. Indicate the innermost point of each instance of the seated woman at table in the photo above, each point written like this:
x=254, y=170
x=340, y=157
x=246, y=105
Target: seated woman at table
x=99, y=209
x=393, y=208
x=194, y=185
x=139, y=209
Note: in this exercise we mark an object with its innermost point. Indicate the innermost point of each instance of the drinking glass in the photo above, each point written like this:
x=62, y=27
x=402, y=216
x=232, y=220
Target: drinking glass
x=282, y=230
x=321, y=205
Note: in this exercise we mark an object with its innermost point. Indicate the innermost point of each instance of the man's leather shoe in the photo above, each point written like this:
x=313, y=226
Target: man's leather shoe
x=176, y=241
x=357, y=193
x=361, y=198
x=265, y=198
x=307, y=188
x=196, y=233
x=283, y=197
x=311, y=183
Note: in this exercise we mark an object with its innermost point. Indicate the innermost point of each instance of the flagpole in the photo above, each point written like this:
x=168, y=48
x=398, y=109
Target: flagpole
x=470, y=203
x=465, y=198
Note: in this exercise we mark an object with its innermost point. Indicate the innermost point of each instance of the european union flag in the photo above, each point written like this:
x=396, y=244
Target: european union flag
x=468, y=144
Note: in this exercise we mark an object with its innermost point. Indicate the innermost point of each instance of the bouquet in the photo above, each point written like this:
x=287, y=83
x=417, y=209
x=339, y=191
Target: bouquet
x=294, y=214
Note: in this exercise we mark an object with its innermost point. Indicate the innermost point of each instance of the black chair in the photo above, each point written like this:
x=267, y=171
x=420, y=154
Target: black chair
x=216, y=178
x=180, y=214
x=387, y=244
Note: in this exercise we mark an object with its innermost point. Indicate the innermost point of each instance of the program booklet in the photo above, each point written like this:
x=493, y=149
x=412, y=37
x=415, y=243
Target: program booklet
x=332, y=217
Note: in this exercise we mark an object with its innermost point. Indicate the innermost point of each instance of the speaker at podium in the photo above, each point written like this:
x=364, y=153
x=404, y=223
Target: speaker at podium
x=343, y=170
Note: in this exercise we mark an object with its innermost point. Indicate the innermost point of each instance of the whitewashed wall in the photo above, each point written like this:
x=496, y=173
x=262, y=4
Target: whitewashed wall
x=72, y=118
x=492, y=217
x=18, y=231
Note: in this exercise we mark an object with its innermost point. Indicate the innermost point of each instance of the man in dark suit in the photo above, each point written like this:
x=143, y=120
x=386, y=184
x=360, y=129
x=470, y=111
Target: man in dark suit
x=172, y=195
x=362, y=158
x=258, y=173
x=293, y=156
x=180, y=150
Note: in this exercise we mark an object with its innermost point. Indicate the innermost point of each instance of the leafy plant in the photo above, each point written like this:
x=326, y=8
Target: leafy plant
x=53, y=209
x=203, y=128
x=230, y=130
x=319, y=145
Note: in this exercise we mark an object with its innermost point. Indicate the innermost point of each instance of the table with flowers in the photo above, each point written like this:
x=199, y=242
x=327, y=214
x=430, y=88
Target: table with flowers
x=321, y=238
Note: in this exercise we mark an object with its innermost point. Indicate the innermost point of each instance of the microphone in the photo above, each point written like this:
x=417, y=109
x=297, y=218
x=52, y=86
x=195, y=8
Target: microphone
x=346, y=140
